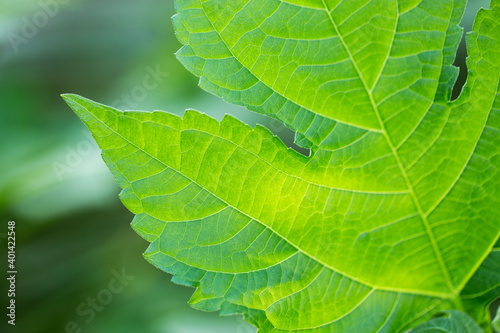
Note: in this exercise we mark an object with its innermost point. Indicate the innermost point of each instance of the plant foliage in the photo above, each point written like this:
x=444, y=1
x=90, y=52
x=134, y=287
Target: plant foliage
x=452, y=322
x=392, y=218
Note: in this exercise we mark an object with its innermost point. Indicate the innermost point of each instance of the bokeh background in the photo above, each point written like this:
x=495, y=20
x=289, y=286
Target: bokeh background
x=72, y=231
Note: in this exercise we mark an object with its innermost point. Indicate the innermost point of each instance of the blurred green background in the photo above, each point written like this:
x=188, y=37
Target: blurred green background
x=72, y=231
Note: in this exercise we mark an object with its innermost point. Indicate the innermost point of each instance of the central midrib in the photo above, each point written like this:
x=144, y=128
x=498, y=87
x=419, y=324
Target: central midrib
x=415, y=199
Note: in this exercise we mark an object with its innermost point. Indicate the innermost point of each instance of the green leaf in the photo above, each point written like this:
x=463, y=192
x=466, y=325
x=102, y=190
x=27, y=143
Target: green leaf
x=452, y=322
x=496, y=321
x=390, y=219
x=483, y=288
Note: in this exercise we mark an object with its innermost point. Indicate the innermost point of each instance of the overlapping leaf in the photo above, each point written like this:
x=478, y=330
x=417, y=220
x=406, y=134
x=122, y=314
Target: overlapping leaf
x=450, y=322
x=390, y=218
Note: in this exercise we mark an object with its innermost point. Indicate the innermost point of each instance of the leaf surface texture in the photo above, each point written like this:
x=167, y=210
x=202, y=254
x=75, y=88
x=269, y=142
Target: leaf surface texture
x=393, y=217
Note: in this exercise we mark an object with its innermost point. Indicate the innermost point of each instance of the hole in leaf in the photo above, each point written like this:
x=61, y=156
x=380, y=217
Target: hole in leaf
x=287, y=136
x=467, y=22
